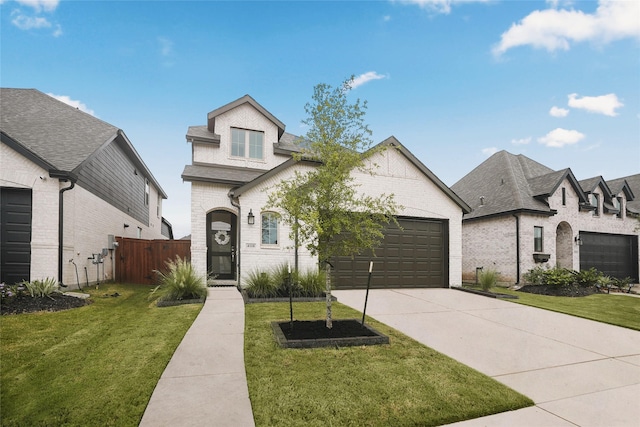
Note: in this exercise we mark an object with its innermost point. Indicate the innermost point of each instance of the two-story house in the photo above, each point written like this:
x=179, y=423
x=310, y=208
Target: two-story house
x=525, y=214
x=69, y=183
x=243, y=151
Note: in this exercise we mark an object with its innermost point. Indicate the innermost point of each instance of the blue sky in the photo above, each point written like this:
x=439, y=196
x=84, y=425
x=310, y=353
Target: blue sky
x=453, y=80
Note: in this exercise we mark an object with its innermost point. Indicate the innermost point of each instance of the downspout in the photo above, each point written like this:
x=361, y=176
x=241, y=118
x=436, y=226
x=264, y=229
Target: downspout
x=61, y=228
x=517, y=248
x=238, y=243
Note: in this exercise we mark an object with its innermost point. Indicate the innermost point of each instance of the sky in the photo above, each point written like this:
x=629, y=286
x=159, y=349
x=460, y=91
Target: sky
x=453, y=80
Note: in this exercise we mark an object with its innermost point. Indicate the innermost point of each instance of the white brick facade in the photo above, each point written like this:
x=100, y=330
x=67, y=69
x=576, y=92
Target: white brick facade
x=88, y=221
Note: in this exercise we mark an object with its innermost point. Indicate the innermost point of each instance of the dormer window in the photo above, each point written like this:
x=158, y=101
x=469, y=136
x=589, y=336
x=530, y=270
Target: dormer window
x=247, y=143
x=595, y=201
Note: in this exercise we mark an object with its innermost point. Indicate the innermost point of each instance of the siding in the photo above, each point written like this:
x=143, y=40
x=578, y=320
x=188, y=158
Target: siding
x=111, y=176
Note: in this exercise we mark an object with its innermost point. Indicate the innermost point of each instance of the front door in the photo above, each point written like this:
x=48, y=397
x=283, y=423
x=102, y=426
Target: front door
x=221, y=245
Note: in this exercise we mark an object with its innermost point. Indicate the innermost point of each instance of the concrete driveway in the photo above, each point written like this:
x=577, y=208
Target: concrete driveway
x=577, y=371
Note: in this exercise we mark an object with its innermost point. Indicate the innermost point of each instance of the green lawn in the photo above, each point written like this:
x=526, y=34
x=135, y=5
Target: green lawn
x=401, y=384
x=615, y=308
x=92, y=366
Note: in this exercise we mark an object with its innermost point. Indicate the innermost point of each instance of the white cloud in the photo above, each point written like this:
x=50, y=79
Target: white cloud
x=558, y=112
x=604, y=104
x=25, y=22
x=439, y=6
x=75, y=104
x=489, y=151
x=560, y=137
x=39, y=5
x=366, y=77
x=521, y=141
x=554, y=29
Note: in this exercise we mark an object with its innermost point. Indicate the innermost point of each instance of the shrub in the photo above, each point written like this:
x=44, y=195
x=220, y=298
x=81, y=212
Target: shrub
x=587, y=277
x=280, y=274
x=41, y=288
x=261, y=285
x=312, y=283
x=623, y=284
x=179, y=282
x=535, y=276
x=487, y=279
x=558, y=276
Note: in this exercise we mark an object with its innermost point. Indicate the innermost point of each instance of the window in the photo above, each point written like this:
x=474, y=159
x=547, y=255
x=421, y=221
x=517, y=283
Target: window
x=564, y=196
x=239, y=139
x=269, y=228
x=618, y=204
x=537, y=239
x=146, y=192
x=595, y=201
x=159, y=206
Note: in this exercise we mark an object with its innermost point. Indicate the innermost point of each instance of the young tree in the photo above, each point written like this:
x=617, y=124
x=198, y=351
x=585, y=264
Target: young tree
x=321, y=205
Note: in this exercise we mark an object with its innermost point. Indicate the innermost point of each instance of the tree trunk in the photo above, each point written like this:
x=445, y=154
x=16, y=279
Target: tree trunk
x=328, y=293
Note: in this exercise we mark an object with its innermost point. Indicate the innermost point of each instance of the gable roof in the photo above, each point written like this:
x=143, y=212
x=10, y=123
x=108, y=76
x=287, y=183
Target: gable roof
x=630, y=185
x=391, y=142
x=211, y=117
x=56, y=136
x=508, y=183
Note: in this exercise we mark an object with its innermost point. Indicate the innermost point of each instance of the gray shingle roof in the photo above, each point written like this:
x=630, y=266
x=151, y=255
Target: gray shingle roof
x=220, y=174
x=55, y=132
x=633, y=184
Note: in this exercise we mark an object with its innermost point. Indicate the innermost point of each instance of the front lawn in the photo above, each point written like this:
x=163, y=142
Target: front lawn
x=401, y=384
x=615, y=309
x=91, y=366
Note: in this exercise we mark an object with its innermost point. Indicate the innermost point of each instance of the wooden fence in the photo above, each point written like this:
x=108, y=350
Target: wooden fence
x=137, y=258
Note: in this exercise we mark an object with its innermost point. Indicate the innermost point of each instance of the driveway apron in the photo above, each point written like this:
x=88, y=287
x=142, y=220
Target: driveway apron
x=577, y=371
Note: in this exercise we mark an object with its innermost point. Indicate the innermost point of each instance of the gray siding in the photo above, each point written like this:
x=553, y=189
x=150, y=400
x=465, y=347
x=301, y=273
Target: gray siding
x=111, y=176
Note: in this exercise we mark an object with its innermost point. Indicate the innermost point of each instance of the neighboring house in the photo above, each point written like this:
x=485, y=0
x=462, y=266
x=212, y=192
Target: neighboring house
x=527, y=215
x=69, y=183
x=243, y=151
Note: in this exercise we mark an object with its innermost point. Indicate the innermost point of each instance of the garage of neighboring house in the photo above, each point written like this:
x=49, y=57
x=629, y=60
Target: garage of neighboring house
x=15, y=235
x=615, y=255
x=413, y=256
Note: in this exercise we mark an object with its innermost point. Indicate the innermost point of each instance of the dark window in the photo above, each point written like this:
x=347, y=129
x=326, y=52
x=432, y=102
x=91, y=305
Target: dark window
x=618, y=203
x=538, y=239
x=595, y=201
x=564, y=196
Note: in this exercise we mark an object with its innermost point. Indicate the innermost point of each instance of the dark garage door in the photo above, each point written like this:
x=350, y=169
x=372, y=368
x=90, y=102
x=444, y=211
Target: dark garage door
x=416, y=256
x=615, y=255
x=15, y=235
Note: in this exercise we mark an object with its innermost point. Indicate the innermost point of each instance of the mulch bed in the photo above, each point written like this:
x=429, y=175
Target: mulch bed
x=315, y=334
x=26, y=304
x=560, y=291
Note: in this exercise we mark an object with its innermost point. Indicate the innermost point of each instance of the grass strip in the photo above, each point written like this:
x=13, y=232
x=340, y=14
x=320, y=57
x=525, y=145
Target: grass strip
x=401, y=384
x=615, y=309
x=95, y=365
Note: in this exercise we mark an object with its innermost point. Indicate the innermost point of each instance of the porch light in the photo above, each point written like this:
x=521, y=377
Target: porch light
x=251, y=219
x=578, y=240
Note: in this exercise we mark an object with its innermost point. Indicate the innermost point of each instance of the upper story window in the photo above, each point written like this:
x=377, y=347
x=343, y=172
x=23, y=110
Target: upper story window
x=538, y=239
x=247, y=143
x=595, y=201
x=564, y=196
x=269, y=228
x=619, y=205
x=146, y=192
x=159, y=206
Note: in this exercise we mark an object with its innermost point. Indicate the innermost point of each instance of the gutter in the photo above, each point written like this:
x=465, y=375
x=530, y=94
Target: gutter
x=239, y=227
x=62, y=177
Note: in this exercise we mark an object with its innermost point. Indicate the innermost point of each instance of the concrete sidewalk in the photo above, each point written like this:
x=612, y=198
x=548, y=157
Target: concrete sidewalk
x=205, y=383
x=578, y=372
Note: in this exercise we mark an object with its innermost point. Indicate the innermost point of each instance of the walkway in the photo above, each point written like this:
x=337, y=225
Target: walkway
x=205, y=384
x=578, y=372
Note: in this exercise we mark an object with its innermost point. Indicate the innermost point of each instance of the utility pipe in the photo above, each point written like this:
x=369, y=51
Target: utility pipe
x=61, y=228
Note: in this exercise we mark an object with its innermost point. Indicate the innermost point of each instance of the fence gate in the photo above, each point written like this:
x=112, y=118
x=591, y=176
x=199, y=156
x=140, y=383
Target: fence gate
x=137, y=258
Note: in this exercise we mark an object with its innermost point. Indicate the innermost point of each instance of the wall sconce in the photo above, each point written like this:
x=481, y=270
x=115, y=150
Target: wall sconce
x=578, y=240
x=251, y=219
x=126, y=226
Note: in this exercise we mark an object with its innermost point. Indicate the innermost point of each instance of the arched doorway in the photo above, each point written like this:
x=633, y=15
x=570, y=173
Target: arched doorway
x=564, y=246
x=221, y=244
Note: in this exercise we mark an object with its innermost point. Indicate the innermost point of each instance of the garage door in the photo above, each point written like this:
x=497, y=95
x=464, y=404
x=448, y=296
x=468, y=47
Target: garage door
x=615, y=255
x=416, y=256
x=15, y=235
